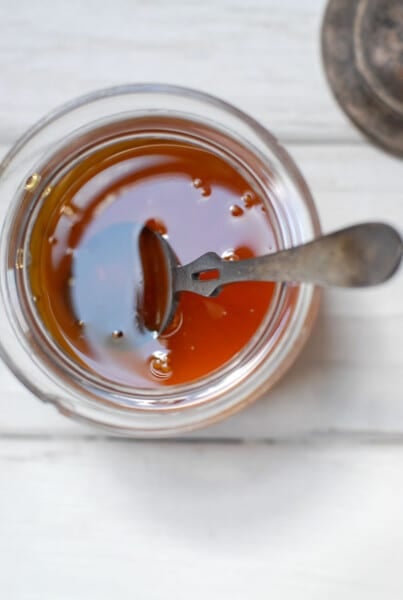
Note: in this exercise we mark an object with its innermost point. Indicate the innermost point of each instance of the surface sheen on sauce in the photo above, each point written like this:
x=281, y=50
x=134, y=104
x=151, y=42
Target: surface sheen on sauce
x=85, y=271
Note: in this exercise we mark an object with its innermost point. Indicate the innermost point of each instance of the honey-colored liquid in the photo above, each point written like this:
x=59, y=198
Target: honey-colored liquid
x=85, y=270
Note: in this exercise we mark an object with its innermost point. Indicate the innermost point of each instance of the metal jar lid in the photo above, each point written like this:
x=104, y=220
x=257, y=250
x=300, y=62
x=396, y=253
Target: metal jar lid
x=362, y=45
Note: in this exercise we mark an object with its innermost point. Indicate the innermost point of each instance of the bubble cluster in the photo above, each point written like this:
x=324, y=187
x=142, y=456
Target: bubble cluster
x=160, y=365
x=205, y=189
x=236, y=210
x=250, y=200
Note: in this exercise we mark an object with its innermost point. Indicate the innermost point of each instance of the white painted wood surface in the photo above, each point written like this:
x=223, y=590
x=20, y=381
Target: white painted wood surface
x=310, y=506
x=100, y=519
x=262, y=55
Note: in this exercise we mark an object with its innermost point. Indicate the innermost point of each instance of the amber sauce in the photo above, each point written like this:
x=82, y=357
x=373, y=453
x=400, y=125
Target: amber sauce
x=85, y=271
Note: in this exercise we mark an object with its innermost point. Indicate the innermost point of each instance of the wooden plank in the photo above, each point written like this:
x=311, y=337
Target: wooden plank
x=132, y=520
x=263, y=56
x=349, y=377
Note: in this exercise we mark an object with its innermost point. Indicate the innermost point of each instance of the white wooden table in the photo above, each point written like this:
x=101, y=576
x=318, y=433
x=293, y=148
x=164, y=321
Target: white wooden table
x=301, y=496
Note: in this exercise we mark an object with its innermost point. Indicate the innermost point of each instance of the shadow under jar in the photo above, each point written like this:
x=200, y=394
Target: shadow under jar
x=75, y=193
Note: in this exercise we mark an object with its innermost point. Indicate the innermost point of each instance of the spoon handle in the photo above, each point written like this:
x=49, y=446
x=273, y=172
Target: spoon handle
x=358, y=256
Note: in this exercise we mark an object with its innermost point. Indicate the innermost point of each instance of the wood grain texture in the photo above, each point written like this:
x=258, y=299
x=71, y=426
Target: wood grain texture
x=263, y=56
x=132, y=520
x=349, y=378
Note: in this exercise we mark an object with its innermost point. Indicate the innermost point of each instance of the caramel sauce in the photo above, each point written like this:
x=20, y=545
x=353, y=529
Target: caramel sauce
x=85, y=271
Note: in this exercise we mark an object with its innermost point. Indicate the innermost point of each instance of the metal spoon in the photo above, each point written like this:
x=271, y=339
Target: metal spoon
x=358, y=256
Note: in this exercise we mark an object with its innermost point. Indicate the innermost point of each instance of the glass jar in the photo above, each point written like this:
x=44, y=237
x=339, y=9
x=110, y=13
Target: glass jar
x=81, y=126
